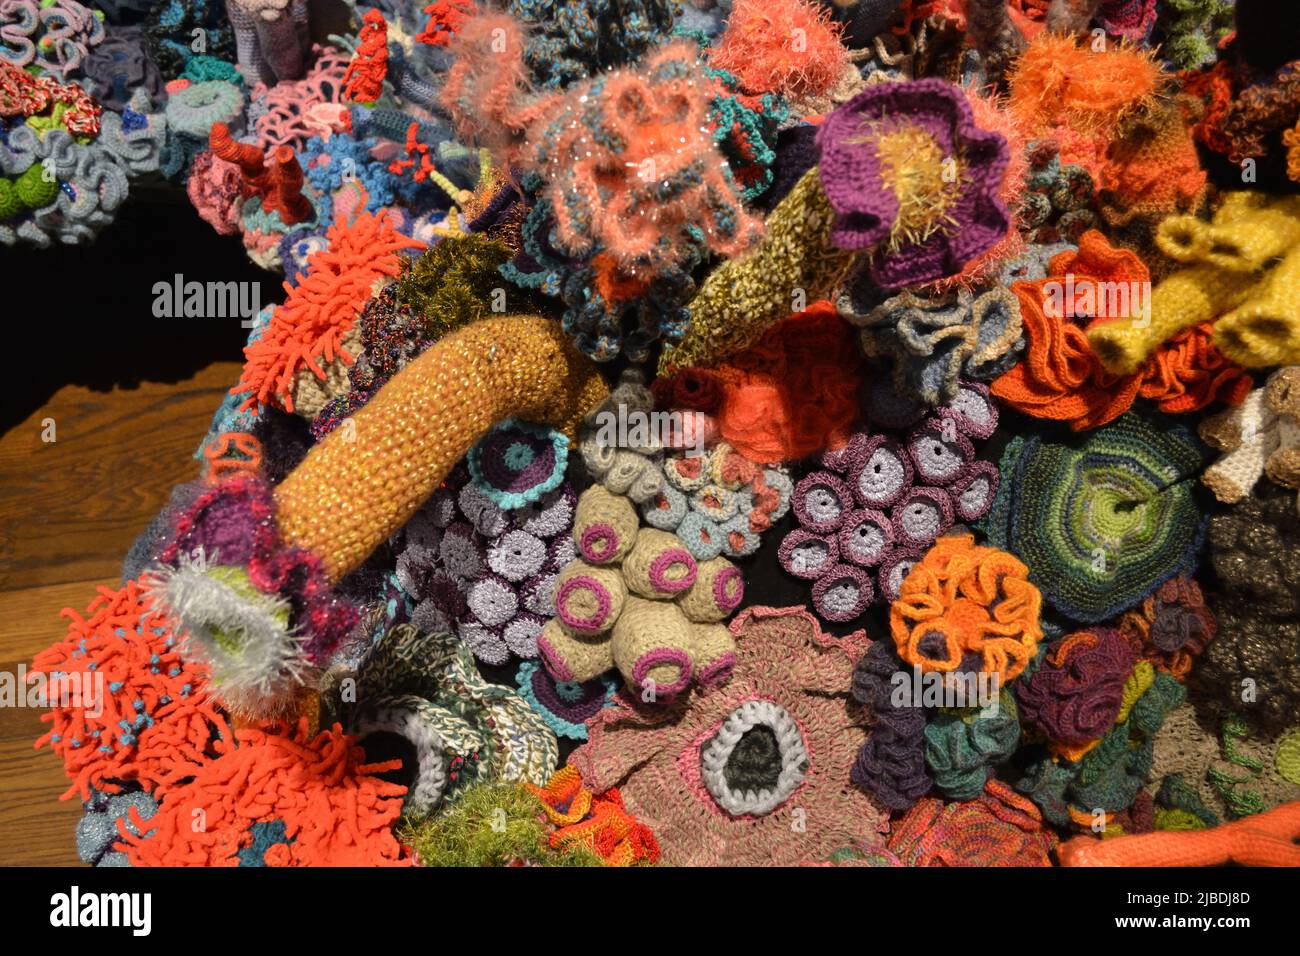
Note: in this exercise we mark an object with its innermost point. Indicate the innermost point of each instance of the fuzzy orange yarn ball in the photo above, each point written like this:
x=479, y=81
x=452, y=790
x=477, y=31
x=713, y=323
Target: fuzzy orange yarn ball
x=781, y=46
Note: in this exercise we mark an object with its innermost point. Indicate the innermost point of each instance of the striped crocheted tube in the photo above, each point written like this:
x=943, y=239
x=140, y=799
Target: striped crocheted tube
x=743, y=297
x=367, y=478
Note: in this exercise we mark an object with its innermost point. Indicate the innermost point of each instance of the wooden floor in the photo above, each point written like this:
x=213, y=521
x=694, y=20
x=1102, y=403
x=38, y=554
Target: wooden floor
x=69, y=510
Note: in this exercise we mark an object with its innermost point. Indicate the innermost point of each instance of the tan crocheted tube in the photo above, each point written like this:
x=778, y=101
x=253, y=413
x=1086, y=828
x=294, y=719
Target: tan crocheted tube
x=369, y=475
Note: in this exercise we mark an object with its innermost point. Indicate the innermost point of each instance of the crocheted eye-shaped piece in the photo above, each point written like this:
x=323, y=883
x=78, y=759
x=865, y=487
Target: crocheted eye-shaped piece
x=821, y=501
x=866, y=537
x=973, y=495
x=941, y=456
x=880, y=472
x=757, y=760
x=807, y=555
x=922, y=515
x=842, y=593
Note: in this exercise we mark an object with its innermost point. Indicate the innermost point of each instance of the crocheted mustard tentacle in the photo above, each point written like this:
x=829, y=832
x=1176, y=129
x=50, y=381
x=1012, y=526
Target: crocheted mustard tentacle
x=1265, y=329
x=746, y=295
x=365, y=480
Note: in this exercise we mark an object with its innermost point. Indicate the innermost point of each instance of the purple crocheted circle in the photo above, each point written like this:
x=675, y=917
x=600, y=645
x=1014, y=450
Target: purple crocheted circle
x=516, y=555
x=841, y=460
x=940, y=454
x=973, y=496
x=884, y=475
x=973, y=411
x=728, y=589
x=550, y=515
x=522, y=633
x=592, y=624
x=578, y=711
x=598, y=542
x=894, y=570
x=866, y=537
x=806, y=555
x=515, y=460
x=842, y=593
x=717, y=671
x=657, y=657
x=664, y=562
x=922, y=516
x=493, y=601
x=821, y=501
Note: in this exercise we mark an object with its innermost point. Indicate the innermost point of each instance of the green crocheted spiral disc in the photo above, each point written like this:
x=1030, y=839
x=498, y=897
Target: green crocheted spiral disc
x=1103, y=522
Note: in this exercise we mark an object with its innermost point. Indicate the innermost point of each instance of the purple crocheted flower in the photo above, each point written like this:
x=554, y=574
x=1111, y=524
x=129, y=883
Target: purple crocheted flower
x=516, y=463
x=881, y=472
x=1076, y=695
x=912, y=178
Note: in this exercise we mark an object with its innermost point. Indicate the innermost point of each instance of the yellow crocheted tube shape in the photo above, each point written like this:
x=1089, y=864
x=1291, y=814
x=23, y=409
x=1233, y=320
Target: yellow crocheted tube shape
x=1228, y=262
x=367, y=477
x=795, y=264
x=1265, y=329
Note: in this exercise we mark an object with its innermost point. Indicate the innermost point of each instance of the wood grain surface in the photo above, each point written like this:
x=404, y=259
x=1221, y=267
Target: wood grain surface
x=70, y=510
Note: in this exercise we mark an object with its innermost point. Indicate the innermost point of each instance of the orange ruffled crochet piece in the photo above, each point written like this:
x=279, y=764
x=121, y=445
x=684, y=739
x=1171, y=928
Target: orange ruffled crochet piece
x=335, y=809
x=600, y=823
x=973, y=600
x=1061, y=378
x=1263, y=839
x=309, y=327
x=796, y=391
x=126, y=645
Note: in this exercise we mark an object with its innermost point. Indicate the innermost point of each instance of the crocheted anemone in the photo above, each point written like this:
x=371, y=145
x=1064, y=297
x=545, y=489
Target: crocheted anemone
x=564, y=705
x=1104, y=522
x=731, y=777
x=912, y=178
x=1253, y=665
x=516, y=463
x=1171, y=627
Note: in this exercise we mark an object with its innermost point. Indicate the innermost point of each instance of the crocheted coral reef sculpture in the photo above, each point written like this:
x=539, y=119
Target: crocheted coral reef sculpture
x=606, y=329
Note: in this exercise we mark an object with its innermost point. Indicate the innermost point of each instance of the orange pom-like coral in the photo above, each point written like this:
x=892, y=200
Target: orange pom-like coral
x=1064, y=90
x=963, y=600
x=789, y=47
x=796, y=391
x=320, y=310
x=335, y=809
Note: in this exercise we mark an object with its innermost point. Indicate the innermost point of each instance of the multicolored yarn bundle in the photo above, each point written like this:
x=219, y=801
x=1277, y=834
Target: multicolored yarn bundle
x=606, y=323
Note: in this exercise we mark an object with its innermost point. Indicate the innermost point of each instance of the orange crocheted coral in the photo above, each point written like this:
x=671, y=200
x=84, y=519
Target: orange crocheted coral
x=1262, y=839
x=796, y=391
x=789, y=47
x=335, y=808
x=600, y=823
x=131, y=708
x=965, y=599
x=321, y=308
x=1063, y=89
x=1152, y=169
x=1061, y=378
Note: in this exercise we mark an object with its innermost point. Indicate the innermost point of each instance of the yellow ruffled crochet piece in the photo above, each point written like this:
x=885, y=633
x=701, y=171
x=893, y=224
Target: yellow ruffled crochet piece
x=370, y=474
x=744, y=297
x=1242, y=273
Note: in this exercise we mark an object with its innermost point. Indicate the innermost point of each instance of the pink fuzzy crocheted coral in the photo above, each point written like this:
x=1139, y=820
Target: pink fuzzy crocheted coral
x=753, y=771
x=289, y=119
